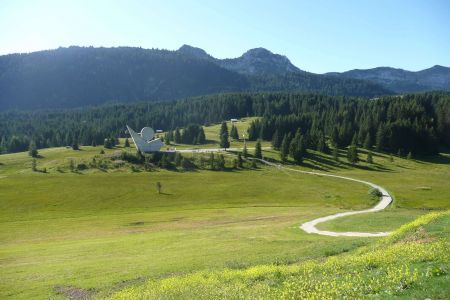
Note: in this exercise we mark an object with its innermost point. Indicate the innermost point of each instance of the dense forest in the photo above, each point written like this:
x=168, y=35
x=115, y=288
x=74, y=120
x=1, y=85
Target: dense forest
x=417, y=123
x=76, y=77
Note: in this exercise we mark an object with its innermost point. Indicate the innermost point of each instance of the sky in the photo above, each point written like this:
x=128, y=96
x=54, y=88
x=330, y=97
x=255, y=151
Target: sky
x=317, y=36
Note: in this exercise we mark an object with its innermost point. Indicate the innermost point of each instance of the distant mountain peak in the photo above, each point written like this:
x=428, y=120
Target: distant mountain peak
x=194, y=52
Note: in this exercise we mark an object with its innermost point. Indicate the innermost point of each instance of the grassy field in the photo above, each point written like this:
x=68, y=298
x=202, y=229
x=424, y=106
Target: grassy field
x=411, y=264
x=96, y=231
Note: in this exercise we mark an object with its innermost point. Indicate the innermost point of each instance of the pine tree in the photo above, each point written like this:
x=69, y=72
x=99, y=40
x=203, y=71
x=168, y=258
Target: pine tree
x=234, y=133
x=284, y=150
x=258, y=150
x=32, y=151
x=368, y=141
x=224, y=142
x=245, y=151
x=276, y=140
x=127, y=143
x=298, y=147
x=369, y=157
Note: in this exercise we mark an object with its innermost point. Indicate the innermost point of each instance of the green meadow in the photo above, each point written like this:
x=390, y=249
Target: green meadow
x=96, y=232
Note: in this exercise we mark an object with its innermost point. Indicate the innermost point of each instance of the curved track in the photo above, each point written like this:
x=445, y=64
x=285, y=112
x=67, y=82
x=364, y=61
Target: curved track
x=310, y=227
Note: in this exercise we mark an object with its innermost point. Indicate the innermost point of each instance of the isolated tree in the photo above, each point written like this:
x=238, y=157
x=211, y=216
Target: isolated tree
x=391, y=158
x=32, y=150
x=258, y=150
x=127, y=143
x=284, y=150
x=352, y=154
x=158, y=187
x=369, y=157
x=224, y=142
x=234, y=133
x=71, y=165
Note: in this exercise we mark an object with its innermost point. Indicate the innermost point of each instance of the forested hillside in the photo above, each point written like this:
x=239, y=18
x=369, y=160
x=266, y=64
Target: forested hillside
x=76, y=77
x=417, y=123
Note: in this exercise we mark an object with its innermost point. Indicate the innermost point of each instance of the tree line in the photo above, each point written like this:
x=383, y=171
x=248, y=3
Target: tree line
x=419, y=123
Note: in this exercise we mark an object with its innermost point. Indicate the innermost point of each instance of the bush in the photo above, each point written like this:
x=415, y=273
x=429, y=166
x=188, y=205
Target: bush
x=375, y=193
x=82, y=166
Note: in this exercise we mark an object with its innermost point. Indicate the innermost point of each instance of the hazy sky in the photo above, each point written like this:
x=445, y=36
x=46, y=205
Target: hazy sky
x=316, y=35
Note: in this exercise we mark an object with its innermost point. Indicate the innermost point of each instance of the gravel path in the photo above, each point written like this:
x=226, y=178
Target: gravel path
x=310, y=227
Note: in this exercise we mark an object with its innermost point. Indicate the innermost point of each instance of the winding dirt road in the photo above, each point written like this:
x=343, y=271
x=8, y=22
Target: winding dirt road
x=310, y=227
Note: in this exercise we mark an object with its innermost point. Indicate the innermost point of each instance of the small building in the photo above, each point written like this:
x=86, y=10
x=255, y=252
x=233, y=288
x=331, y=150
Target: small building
x=234, y=120
x=159, y=131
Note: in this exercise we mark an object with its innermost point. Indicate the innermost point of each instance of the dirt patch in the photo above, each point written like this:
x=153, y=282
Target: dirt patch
x=74, y=293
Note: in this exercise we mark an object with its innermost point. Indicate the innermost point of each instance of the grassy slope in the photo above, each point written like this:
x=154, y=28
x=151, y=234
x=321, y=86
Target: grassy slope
x=413, y=263
x=106, y=230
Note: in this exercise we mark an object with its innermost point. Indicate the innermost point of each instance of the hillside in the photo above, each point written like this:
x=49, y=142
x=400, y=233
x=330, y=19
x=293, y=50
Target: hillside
x=401, y=81
x=76, y=76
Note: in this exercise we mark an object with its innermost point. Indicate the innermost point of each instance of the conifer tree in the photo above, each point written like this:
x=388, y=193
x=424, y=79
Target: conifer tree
x=234, y=133
x=127, y=143
x=352, y=154
x=258, y=150
x=32, y=150
x=284, y=150
x=245, y=151
x=276, y=140
x=368, y=141
x=380, y=138
x=224, y=142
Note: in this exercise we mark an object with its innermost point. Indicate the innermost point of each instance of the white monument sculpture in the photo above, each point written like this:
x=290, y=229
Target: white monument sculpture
x=145, y=141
